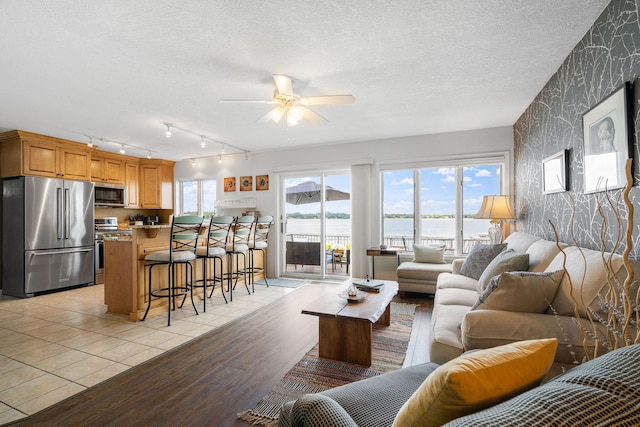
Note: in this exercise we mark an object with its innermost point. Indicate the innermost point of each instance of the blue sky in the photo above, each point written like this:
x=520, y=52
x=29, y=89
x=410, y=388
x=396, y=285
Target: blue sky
x=437, y=186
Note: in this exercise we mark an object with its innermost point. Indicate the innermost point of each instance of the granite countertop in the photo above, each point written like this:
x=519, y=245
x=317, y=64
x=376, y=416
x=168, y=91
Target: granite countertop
x=148, y=227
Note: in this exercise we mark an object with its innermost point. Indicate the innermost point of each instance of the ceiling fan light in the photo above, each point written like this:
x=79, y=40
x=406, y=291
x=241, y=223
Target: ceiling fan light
x=296, y=112
x=291, y=120
x=276, y=114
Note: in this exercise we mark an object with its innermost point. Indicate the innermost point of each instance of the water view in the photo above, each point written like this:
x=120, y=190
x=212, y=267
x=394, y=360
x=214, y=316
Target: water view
x=393, y=227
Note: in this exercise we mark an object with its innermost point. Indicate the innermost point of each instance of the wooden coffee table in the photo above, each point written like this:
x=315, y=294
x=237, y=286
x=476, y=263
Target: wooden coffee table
x=345, y=327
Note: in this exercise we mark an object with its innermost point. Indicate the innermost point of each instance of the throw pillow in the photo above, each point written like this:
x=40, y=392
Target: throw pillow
x=479, y=258
x=520, y=291
x=508, y=260
x=429, y=254
x=477, y=380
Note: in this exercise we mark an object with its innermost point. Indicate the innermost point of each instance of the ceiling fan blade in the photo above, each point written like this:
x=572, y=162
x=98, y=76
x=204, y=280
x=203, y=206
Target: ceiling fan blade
x=283, y=84
x=247, y=101
x=328, y=99
x=313, y=117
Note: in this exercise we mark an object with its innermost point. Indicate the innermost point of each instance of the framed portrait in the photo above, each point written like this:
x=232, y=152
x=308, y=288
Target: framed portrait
x=262, y=182
x=607, y=142
x=229, y=184
x=554, y=173
x=246, y=183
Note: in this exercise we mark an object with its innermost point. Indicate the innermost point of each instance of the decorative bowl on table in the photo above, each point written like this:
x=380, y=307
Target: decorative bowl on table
x=357, y=297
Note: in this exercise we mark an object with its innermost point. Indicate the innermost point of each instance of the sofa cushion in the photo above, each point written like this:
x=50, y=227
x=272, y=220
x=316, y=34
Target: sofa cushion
x=448, y=280
x=477, y=380
x=541, y=253
x=430, y=254
x=318, y=409
x=520, y=242
x=507, y=260
x=585, y=277
x=479, y=258
x=602, y=392
x=521, y=291
x=422, y=271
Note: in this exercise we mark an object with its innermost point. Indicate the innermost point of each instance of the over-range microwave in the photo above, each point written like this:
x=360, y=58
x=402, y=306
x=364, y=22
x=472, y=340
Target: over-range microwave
x=110, y=195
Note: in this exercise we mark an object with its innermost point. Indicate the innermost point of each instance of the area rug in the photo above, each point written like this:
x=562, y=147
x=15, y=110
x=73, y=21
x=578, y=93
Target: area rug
x=284, y=283
x=313, y=374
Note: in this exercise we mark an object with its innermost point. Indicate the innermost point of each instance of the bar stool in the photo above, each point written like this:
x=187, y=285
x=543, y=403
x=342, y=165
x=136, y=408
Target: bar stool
x=259, y=243
x=240, y=233
x=182, y=250
x=215, y=250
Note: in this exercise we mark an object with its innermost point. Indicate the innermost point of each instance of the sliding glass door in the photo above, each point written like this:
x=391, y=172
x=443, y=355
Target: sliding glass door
x=316, y=218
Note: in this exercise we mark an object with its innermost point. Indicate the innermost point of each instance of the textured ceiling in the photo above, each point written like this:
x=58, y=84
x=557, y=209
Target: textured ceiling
x=119, y=69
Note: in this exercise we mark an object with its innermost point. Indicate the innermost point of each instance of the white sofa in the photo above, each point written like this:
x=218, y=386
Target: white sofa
x=455, y=327
x=416, y=276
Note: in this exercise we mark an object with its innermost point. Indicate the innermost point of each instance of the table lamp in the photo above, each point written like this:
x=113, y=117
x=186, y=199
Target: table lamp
x=495, y=208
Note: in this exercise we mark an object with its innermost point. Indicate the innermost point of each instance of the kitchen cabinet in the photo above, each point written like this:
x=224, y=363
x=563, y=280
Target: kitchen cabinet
x=156, y=184
x=24, y=153
x=131, y=169
x=105, y=168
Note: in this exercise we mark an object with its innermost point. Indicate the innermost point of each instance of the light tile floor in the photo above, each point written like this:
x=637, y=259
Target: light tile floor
x=54, y=346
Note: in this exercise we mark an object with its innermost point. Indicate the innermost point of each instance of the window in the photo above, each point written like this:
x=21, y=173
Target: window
x=197, y=197
x=436, y=204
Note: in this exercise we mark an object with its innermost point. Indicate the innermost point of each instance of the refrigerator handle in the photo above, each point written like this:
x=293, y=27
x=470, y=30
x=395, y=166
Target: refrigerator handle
x=67, y=219
x=59, y=212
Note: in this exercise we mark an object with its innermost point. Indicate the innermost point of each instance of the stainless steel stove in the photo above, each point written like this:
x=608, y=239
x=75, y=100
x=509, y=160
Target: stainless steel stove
x=106, y=228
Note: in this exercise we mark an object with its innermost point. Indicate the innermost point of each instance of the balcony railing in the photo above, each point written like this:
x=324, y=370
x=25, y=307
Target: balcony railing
x=393, y=242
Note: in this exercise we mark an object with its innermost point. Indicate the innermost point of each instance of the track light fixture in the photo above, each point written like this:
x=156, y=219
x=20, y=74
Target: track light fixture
x=220, y=158
x=193, y=162
x=122, y=149
x=121, y=144
x=203, y=138
x=90, y=143
x=149, y=155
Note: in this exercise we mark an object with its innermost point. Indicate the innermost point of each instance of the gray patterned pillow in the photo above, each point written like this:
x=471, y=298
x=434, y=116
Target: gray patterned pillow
x=479, y=258
x=507, y=260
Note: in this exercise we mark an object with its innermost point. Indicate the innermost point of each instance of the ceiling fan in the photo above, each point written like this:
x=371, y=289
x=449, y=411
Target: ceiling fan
x=292, y=106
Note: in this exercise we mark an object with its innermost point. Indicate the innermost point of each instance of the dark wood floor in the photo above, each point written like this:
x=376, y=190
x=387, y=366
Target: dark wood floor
x=207, y=381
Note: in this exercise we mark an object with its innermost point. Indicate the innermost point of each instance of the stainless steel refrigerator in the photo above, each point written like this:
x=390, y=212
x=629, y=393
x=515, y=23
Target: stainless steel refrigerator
x=47, y=235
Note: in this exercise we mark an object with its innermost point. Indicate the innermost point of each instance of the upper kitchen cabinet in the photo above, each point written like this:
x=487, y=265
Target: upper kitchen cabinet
x=156, y=184
x=107, y=167
x=131, y=172
x=26, y=153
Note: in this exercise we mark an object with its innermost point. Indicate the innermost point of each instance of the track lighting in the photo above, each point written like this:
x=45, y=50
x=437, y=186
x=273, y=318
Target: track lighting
x=246, y=155
x=149, y=155
x=90, y=143
x=122, y=149
x=203, y=142
x=193, y=162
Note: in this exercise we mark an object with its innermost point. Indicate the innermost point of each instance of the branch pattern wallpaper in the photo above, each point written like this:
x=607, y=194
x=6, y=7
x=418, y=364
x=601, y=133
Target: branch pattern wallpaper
x=607, y=56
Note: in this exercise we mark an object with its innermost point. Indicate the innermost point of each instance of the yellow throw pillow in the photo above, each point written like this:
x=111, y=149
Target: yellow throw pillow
x=477, y=380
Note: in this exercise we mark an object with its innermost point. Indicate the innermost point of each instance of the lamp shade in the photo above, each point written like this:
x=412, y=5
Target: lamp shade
x=495, y=208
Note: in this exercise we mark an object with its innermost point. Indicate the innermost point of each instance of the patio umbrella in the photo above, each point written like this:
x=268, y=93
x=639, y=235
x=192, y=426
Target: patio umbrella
x=309, y=192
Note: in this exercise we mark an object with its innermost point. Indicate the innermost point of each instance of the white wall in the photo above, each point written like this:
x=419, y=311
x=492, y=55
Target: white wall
x=376, y=153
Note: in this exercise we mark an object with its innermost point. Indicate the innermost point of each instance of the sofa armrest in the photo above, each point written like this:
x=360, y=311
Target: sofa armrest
x=405, y=257
x=313, y=410
x=491, y=328
x=456, y=265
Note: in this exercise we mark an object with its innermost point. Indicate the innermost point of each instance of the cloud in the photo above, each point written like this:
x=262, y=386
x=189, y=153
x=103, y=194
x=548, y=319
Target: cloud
x=483, y=173
x=403, y=181
x=403, y=206
x=475, y=184
x=448, y=178
x=446, y=171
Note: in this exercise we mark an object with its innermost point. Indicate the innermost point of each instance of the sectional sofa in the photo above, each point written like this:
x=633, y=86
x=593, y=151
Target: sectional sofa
x=554, y=291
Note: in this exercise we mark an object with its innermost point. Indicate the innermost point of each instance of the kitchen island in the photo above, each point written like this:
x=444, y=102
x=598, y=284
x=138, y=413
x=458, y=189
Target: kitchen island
x=127, y=273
